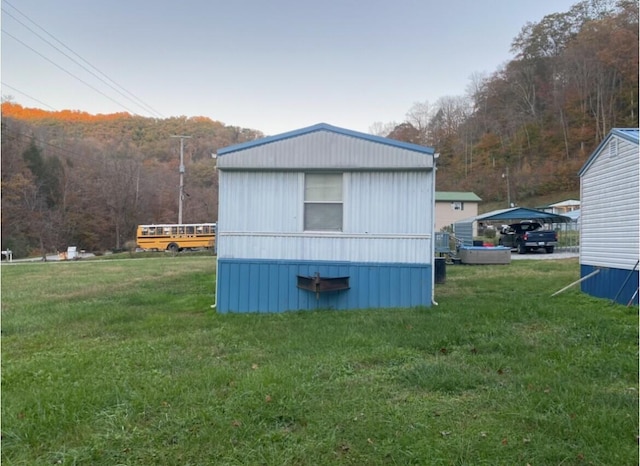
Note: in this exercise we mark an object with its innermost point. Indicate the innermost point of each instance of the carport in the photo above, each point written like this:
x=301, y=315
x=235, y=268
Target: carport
x=463, y=230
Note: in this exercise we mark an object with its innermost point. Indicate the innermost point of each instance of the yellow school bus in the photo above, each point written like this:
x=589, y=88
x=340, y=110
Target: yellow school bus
x=173, y=237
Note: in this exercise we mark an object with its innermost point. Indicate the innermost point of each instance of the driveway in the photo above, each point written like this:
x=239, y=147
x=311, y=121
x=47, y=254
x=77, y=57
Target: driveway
x=543, y=255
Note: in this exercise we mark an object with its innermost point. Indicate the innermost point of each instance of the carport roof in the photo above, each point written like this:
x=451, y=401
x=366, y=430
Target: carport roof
x=519, y=213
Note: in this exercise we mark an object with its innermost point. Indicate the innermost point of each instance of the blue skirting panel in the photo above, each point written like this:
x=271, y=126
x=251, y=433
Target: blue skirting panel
x=246, y=285
x=610, y=282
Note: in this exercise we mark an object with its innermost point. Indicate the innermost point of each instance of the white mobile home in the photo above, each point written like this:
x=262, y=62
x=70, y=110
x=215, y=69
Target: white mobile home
x=324, y=217
x=610, y=217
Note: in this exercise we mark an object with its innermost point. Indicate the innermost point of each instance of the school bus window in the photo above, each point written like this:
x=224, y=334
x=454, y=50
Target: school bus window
x=173, y=237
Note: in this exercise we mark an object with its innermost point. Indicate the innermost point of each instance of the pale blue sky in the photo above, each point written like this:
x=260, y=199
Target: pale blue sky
x=272, y=65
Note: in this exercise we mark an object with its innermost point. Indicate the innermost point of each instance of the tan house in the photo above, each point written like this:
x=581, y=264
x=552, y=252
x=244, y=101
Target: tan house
x=453, y=206
x=563, y=207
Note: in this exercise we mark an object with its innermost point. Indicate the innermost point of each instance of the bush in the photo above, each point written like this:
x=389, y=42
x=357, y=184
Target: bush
x=131, y=246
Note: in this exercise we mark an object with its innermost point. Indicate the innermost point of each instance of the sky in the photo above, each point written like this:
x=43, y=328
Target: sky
x=268, y=65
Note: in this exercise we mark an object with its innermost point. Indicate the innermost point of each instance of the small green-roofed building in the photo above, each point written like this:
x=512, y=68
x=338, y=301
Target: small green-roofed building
x=452, y=206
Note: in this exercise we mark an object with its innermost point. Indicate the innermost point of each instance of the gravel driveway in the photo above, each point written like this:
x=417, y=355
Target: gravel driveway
x=541, y=255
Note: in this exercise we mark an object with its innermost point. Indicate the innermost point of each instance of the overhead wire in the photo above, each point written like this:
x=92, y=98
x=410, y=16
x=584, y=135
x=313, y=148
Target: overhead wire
x=34, y=138
x=27, y=95
x=137, y=101
x=69, y=72
x=123, y=92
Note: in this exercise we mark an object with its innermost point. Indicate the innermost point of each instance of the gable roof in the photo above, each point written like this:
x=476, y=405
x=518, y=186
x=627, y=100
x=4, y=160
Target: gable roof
x=519, y=213
x=329, y=128
x=450, y=196
x=567, y=203
x=628, y=134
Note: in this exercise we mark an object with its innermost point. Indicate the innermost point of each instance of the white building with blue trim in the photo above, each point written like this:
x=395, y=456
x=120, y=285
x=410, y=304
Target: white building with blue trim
x=610, y=218
x=324, y=218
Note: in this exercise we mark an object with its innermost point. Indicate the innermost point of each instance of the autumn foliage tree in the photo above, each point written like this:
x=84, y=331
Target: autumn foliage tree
x=70, y=178
x=573, y=78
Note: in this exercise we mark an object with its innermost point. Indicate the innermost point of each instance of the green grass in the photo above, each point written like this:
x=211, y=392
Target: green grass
x=124, y=362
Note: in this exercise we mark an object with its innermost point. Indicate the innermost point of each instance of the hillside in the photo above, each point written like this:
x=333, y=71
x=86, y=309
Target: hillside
x=520, y=135
x=74, y=178
x=535, y=120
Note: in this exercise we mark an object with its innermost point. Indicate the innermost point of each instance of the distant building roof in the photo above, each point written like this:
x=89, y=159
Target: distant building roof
x=567, y=203
x=451, y=196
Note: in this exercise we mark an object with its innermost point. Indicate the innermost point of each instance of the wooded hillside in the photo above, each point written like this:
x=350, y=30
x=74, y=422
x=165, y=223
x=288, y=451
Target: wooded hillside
x=537, y=119
x=70, y=178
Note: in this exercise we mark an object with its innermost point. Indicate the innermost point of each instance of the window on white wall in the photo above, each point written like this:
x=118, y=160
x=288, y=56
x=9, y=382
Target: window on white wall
x=323, y=201
x=457, y=205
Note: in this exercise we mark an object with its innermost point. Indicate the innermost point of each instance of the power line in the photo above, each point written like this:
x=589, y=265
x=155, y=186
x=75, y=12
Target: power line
x=139, y=102
x=134, y=99
x=44, y=143
x=27, y=95
x=68, y=72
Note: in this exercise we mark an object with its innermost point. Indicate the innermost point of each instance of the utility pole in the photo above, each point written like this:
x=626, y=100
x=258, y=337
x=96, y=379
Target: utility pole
x=506, y=176
x=181, y=169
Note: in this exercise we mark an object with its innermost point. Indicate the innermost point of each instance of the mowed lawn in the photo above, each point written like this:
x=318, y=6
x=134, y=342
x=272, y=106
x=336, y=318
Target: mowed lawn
x=125, y=363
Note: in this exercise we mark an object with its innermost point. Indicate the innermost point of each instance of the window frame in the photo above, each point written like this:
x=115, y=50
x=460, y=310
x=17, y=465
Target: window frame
x=327, y=202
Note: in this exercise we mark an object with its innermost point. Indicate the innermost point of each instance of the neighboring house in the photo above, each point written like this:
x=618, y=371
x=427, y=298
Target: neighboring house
x=562, y=207
x=569, y=208
x=610, y=217
x=324, y=217
x=454, y=206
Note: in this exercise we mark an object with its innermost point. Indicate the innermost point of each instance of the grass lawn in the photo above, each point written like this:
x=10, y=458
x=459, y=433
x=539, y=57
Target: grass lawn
x=125, y=363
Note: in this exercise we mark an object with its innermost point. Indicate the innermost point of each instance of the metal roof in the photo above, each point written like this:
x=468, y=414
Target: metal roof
x=629, y=134
x=326, y=127
x=567, y=203
x=457, y=196
x=519, y=213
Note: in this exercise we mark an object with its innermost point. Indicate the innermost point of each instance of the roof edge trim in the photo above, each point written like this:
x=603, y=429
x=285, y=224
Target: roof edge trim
x=325, y=127
x=624, y=133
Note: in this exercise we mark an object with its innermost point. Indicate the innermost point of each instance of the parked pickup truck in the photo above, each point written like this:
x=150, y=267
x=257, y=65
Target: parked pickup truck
x=527, y=236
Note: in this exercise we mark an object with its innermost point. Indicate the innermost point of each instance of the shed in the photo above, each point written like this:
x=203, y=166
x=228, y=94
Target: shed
x=464, y=229
x=610, y=217
x=325, y=217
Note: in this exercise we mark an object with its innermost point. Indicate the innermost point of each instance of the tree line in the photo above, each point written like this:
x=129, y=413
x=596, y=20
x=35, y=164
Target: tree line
x=538, y=117
x=70, y=178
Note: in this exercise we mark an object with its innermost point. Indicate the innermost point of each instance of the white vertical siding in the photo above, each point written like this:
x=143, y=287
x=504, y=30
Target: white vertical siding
x=610, y=211
x=389, y=203
x=387, y=218
x=335, y=248
x=259, y=202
